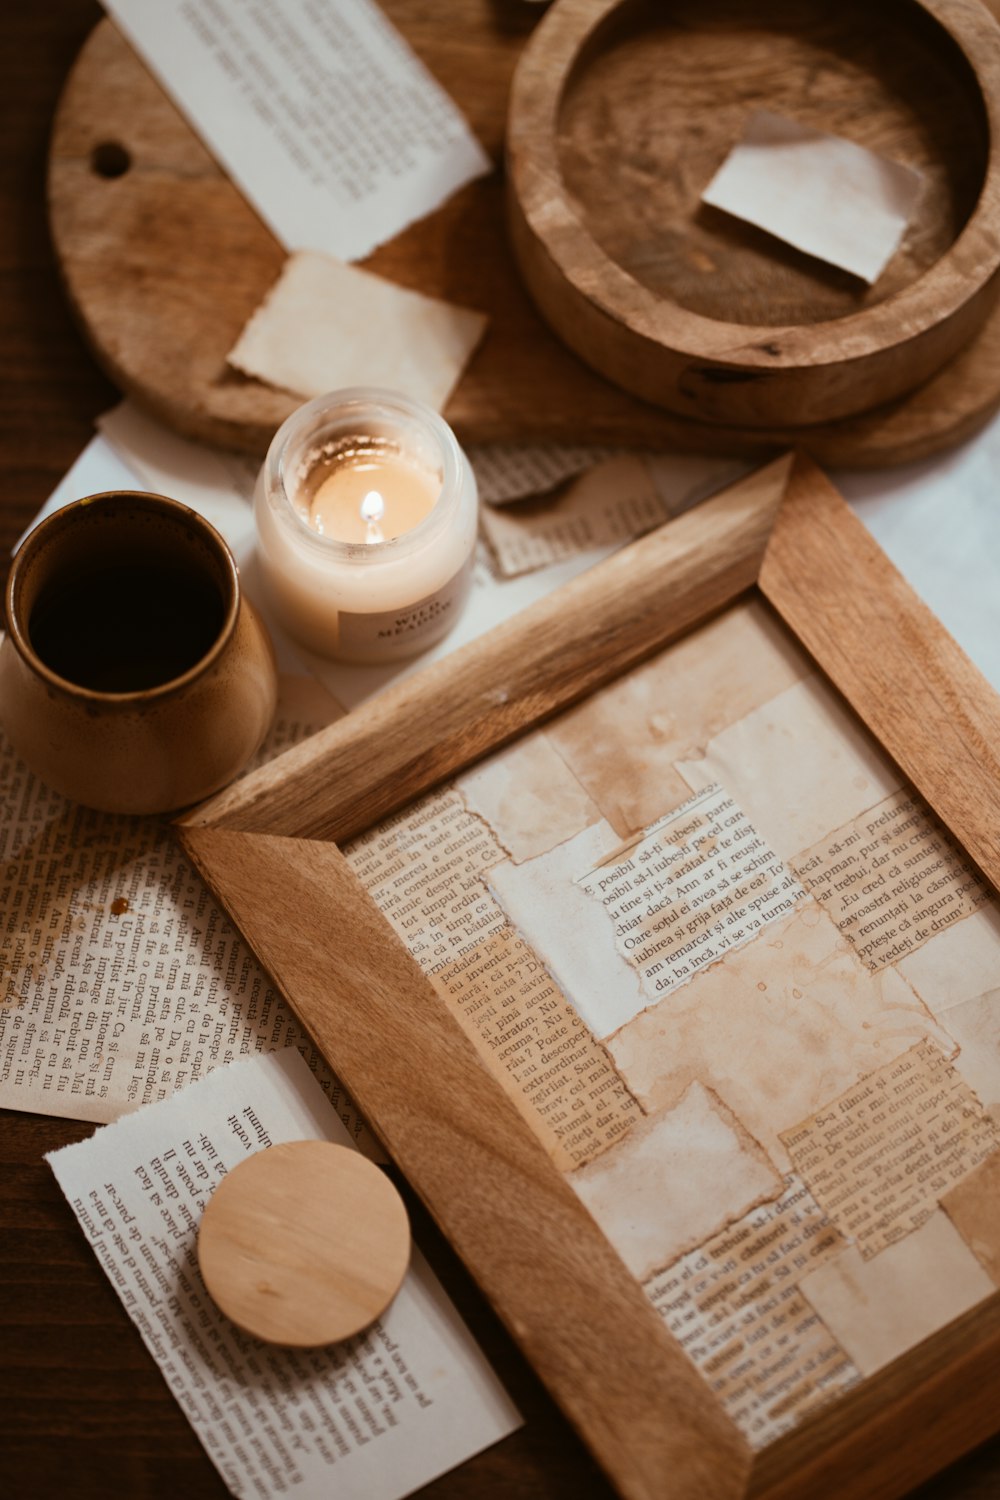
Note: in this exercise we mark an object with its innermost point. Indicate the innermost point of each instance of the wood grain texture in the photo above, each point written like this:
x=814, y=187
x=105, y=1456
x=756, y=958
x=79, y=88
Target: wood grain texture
x=900, y=670
x=685, y=306
x=164, y=264
x=85, y=1408
x=584, y=1323
x=924, y=701
x=416, y=733
x=304, y=1243
x=909, y=1420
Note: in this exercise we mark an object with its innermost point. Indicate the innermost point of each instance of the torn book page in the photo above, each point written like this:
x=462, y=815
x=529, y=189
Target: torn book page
x=879, y=1309
x=122, y=980
x=698, y=885
x=608, y=504
x=735, y=1308
x=879, y=1157
x=510, y=471
x=677, y=1178
x=507, y=472
x=325, y=325
x=825, y=195
x=368, y=1419
x=322, y=115
x=891, y=879
x=426, y=869
x=779, y=1028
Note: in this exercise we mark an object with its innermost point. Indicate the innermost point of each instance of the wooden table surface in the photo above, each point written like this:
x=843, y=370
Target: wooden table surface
x=85, y=1412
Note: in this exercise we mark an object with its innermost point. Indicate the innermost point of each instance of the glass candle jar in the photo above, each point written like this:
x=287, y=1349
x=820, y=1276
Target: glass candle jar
x=366, y=511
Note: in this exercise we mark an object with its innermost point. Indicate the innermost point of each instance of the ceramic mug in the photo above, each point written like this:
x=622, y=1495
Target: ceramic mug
x=134, y=677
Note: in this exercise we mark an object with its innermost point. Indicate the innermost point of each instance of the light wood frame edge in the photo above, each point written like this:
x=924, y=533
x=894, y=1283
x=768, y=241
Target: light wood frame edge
x=384, y=1028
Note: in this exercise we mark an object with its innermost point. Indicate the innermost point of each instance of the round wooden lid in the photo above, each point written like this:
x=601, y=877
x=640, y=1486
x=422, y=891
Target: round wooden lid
x=304, y=1243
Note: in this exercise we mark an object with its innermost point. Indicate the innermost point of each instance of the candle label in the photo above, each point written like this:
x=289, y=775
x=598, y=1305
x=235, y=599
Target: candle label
x=391, y=632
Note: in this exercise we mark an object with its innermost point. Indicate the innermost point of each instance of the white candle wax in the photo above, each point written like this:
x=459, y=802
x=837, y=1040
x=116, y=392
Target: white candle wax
x=383, y=586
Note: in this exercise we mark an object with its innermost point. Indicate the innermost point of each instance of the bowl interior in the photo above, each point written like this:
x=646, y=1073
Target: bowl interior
x=661, y=93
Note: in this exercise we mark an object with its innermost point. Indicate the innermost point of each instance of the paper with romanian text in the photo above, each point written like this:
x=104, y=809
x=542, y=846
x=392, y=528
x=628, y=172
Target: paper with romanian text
x=319, y=111
x=369, y=1419
x=745, y=990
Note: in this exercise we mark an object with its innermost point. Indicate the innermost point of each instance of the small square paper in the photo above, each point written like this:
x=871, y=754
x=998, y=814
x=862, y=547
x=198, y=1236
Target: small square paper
x=824, y=195
x=325, y=325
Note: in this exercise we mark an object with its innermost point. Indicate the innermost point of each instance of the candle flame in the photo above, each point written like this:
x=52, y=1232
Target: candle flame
x=372, y=511
x=372, y=507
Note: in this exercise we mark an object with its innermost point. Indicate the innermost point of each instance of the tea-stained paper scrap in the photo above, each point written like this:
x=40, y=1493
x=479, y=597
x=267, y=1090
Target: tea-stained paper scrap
x=369, y=1419
x=785, y=1024
x=825, y=195
x=529, y=797
x=675, y=1179
x=322, y=115
x=800, y=766
x=543, y=901
x=975, y=1025
x=624, y=741
x=325, y=325
x=879, y=1158
x=734, y=1306
x=973, y=1206
x=878, y=1309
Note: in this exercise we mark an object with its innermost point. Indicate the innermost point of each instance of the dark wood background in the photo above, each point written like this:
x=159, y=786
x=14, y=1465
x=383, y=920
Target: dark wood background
x=84, y=1412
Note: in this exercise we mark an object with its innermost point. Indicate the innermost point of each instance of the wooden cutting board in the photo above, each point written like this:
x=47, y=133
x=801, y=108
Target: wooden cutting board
x=164, y=261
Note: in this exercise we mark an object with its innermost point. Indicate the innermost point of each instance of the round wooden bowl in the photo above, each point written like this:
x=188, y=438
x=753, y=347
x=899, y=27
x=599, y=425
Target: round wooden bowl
x=622, y=110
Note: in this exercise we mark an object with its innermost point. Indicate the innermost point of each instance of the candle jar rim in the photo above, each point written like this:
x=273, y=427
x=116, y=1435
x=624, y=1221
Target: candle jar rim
x=346, y=412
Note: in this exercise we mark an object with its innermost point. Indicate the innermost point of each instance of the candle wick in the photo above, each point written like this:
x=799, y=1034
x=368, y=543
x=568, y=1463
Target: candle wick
x=372, y=511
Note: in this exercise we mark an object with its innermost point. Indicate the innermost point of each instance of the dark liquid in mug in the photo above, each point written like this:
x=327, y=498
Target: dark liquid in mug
x=126, y=628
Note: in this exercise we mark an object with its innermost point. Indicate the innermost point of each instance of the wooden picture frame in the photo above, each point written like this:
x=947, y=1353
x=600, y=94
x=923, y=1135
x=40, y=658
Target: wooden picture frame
x=267, y=848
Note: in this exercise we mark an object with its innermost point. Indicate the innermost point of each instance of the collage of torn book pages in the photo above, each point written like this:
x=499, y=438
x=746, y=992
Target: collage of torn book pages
x=746, y=990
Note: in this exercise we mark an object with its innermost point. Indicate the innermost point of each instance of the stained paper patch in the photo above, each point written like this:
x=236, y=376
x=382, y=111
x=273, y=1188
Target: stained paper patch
x=674, y=1180
x=878, y=1309
x=325, y=325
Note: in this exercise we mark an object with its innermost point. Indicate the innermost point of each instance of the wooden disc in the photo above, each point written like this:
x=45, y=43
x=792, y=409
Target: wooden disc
x=304, y=1243
x=164, y=261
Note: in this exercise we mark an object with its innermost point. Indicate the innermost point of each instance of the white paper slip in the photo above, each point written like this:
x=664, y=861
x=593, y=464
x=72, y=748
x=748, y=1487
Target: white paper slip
x=318, y=109
x=370, y=1419
x=826, y=196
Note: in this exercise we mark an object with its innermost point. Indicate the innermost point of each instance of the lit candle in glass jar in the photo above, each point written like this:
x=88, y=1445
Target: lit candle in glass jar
x=366, y=513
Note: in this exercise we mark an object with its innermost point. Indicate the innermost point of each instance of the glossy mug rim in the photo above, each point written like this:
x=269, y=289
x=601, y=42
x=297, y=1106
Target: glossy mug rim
x=39, y=535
